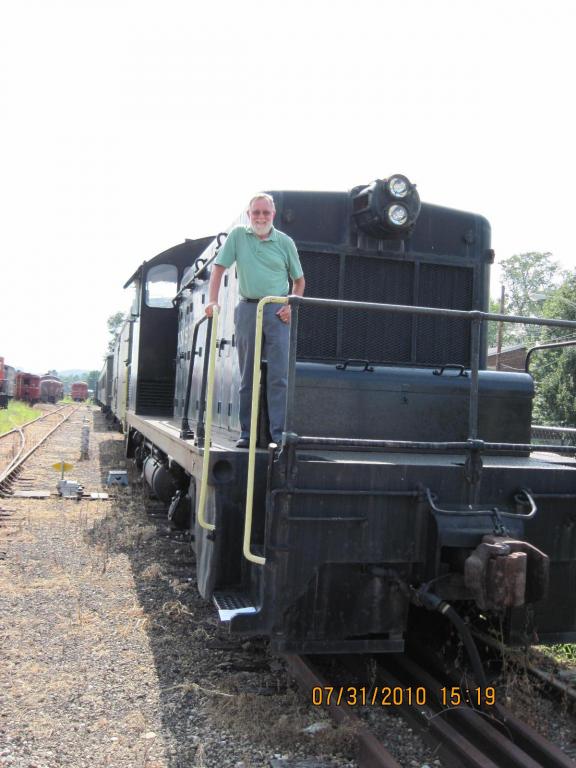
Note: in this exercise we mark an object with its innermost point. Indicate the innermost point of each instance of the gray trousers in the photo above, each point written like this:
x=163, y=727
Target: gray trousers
x=275, y=345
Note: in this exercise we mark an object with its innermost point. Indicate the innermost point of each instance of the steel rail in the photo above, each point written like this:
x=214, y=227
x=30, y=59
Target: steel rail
x=371, y=752
x=36, y=420
x=559, y=687
x=504, y=738
x=451, y=746
x=14, y=463
x=21, y=457
x=461, y=735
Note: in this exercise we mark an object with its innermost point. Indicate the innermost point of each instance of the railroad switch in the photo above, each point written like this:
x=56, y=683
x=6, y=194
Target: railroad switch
x=70, y=489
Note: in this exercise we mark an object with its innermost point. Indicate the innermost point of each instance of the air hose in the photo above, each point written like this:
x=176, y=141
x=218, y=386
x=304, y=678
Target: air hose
x=432, y=602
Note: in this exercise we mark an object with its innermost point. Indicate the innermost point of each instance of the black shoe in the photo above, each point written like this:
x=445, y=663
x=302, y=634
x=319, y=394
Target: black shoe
x=244, y=442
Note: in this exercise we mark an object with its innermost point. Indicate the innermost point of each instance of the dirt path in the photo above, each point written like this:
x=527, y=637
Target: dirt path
x=108, y=656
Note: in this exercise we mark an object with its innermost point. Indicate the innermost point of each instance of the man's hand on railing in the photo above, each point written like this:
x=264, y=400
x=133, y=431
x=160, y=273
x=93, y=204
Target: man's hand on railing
x=285, y=313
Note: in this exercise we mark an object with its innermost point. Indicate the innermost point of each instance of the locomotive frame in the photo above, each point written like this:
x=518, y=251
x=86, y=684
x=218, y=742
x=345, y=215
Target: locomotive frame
x=404, y=481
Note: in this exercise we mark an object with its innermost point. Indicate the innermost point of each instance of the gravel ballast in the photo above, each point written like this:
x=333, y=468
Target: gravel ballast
x=109, y=656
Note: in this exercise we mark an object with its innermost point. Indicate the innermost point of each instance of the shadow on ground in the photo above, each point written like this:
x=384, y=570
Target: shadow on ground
x=224, y=701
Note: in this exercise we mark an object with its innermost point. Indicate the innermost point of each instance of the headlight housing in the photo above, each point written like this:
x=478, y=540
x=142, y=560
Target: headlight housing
x=387, y=208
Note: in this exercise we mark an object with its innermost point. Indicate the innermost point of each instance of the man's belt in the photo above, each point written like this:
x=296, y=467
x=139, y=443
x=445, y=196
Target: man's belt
x=250, y=301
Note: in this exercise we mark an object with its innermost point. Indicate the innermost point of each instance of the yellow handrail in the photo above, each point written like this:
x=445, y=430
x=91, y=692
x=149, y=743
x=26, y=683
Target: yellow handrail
x=248, y=554
x=208, y=425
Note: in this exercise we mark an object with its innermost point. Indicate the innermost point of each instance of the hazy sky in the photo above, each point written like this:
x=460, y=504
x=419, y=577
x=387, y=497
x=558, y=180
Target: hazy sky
x=128, y=126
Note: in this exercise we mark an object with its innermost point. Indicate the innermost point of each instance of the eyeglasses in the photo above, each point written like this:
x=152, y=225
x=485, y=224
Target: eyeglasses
x=260, y=213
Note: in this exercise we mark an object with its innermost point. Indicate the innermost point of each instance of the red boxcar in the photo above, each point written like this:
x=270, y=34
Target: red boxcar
x=79, y=391
x=27, y=387
x=51, y=389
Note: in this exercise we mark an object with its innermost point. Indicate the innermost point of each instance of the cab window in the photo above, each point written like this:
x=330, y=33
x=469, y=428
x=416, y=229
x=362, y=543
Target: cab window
x=161, y=286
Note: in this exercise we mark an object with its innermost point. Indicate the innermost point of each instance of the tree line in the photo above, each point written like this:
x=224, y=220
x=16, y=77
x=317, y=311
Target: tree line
x=536, y=286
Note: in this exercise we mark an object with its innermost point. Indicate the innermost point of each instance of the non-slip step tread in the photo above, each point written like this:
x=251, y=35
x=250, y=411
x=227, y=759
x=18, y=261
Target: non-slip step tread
x=230, y=604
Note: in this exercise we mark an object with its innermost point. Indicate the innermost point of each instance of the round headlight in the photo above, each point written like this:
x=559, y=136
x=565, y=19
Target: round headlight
x=399, y=186
x=397, y=215
x=387, y=208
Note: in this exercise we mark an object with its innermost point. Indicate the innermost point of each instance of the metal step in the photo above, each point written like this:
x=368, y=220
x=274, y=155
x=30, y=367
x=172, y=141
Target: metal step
x=230, y=604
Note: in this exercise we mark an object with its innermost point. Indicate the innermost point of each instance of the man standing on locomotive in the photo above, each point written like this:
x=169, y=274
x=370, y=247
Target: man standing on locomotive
x=266, y=260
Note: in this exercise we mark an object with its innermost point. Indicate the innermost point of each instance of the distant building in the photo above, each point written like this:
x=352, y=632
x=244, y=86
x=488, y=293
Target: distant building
x=509, y=359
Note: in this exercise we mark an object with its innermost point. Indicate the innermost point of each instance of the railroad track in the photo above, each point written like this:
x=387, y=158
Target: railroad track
x=465, y=726
x=563, y=689
x=18, y=444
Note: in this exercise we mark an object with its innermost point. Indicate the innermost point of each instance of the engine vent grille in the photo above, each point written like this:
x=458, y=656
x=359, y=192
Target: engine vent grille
x=440, y=339
x=337, y=334
x=155, y=397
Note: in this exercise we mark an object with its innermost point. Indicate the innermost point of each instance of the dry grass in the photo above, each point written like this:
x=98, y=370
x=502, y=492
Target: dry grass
x=108, y=648
x=279, y=720
x=177, y=611
x=152, y=572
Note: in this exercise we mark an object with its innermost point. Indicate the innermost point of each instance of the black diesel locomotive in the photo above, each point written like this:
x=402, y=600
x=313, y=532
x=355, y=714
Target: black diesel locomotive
x=405, y=480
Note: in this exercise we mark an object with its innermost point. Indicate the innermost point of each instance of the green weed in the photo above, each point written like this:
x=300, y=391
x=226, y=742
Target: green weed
x=17, y=413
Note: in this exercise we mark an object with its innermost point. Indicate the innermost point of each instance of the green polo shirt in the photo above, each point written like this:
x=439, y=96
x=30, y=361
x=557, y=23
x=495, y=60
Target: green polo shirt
x=263, y=266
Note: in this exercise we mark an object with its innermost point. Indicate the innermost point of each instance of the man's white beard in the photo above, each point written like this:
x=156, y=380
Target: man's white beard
x=262, y=229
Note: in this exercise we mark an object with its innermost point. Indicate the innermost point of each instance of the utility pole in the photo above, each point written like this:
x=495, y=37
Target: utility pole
x=500, y=328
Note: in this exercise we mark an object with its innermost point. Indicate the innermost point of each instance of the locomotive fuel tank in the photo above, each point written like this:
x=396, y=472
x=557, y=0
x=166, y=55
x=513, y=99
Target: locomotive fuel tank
x=164, y=480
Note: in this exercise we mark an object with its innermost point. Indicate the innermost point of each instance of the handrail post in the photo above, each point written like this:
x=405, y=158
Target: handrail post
x=473, y=466
x=185, y=432
x=256, y=377
x=200, y=424
x=211, y=354
x=290, y=394
x=474, y=379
